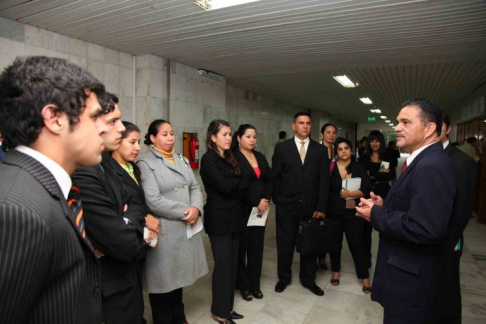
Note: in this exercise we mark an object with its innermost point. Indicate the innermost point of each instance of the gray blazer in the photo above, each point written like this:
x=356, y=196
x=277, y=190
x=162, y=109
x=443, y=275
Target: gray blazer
x=169, y=190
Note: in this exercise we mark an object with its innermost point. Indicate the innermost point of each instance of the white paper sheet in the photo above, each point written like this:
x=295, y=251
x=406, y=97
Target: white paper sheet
x=191, y=231
x=257, y=219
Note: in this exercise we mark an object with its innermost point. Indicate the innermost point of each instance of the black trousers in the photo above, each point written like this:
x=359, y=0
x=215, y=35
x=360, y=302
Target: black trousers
x=367, y=240
x=353, y=227
x=225, y=254
x=250, y=258
x=287, y=226
x=124, y=307
x=168, y=308
x=455, y=293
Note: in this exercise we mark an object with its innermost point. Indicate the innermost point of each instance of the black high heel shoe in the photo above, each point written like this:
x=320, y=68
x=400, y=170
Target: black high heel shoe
x=257, y=293
x=246, y=295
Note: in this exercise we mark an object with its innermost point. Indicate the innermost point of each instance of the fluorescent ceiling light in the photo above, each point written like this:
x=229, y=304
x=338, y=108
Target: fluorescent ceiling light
x=387, y=121
x=383, y=117
x=344, y=81
x=392, y=125
x=375, y=111
x=218, y=4
x=366, y=101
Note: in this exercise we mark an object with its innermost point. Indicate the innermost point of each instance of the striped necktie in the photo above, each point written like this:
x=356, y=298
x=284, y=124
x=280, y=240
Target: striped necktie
x=74, y=202
x=302, y=151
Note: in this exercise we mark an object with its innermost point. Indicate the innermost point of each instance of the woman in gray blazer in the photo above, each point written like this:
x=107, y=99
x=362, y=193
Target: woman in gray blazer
x=173, y=195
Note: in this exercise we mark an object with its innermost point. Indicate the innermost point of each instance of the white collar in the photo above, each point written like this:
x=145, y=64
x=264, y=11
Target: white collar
x=297, y=140
x=445, y=144
x=417, y=152
x=61, y=176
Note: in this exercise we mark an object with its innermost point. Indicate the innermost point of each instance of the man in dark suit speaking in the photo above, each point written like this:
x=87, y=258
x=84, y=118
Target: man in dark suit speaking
x=414, y=222
x=49, y=113
x=301, y=189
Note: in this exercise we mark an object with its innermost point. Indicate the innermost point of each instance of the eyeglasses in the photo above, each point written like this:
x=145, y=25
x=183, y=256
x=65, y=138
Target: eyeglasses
x=343, y=148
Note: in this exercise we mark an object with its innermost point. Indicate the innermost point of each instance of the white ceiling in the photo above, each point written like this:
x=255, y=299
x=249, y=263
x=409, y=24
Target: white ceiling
x=289, y=50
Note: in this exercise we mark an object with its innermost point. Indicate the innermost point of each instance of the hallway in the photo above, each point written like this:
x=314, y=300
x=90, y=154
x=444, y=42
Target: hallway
x=343, y=304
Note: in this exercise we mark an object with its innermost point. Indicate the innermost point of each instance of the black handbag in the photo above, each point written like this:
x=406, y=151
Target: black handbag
x=318, y=236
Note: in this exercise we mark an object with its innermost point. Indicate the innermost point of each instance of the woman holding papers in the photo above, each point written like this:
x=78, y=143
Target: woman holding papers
x=173, y=195
x=379, y=165
x=224, y=184
x=329, y=133
x=255, y=167
x=349, y=182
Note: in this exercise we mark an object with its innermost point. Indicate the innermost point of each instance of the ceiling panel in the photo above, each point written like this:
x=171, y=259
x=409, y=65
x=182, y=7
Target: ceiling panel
x=290, y=49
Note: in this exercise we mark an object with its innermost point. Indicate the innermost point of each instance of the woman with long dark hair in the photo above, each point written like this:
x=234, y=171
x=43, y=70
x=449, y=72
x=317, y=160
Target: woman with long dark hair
x=379, y=177
x=329, y=133
x=254, y=166
x=174, y=196
x=224, y=183
x=341, y=207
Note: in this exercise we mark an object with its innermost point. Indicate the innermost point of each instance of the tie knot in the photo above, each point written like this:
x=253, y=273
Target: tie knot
x=302, y=142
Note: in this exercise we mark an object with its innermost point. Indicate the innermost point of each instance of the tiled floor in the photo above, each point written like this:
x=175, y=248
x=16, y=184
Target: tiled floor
x=342, y=304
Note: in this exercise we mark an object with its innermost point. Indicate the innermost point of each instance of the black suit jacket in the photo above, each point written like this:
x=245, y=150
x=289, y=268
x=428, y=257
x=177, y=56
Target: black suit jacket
x=258, y=188
x=103, y=197
x=134, y=190
x=222, y=214
x=297, y=183
x=414, y=255
x=465, y=172
x=337, y=205
x=48, y=273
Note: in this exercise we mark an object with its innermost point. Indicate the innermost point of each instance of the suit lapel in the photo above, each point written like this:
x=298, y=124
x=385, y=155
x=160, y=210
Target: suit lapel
x=245, y=163
x=311, y=151
x=126, y=178
x=45, y=177
x=293, y=150
x=409, y=169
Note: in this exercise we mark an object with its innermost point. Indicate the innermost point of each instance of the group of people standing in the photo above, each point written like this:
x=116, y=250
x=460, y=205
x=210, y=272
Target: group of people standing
x=86, y=225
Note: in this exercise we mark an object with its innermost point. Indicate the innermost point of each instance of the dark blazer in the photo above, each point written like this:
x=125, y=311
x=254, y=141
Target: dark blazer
x=222, y=214
x=415, y=229
x=296, y=182
x=257, y=188
x=104, y=197
x=48, y=273
x=134, y=190
x=465, y=172
x=374, y=168
x=336, y=204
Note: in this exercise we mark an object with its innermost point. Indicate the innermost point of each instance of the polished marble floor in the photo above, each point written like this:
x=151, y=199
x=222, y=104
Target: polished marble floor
x=342, y=304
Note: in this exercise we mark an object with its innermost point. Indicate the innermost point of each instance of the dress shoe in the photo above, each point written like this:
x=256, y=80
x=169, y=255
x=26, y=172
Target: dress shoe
x=223, y=321
x=315, y=289
x=234, y=316
x=246, y=295
x=280, y=286
x=257, y=294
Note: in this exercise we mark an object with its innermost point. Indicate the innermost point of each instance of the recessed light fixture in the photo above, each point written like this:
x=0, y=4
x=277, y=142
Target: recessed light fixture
x=387, y=121
x=344, y=81
x=218, y=4
x=366, y=101
x=375, y=111
x=383, y=117
x=392, y=125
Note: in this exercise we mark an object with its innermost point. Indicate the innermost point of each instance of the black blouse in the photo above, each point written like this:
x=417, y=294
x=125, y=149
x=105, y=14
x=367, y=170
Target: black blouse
x=337, y=205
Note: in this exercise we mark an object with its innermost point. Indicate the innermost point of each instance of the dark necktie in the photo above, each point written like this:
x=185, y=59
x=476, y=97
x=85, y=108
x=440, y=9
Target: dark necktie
x=74, y=202
x=404, y=166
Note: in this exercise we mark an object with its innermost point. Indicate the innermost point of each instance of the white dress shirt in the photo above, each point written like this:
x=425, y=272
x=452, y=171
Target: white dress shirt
x=415, y=153
x=61, y=176
x=306, y=143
